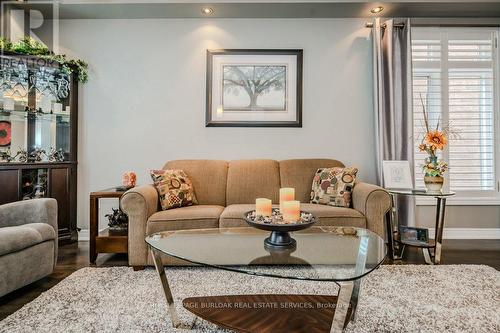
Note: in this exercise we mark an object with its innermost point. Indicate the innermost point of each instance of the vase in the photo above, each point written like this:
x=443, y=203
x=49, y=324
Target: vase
x=434, y=184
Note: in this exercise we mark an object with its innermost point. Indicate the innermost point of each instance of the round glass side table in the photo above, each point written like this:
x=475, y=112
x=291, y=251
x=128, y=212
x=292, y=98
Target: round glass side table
x=430, y=249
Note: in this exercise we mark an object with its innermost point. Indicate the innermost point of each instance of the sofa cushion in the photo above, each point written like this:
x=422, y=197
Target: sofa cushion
x=20, y=237
x=191, y=217
x=232, y=216
x=248, y=180
x=335, y=216
x=209, y=178
x=299, y=174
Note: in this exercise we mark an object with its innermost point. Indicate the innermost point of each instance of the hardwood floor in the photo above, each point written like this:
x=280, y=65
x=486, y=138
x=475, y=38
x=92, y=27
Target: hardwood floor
x=75, y=256
x=71, y=258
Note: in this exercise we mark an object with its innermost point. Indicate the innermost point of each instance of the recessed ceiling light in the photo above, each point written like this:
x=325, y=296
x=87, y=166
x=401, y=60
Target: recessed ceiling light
x=377, y=9
x=207, y=11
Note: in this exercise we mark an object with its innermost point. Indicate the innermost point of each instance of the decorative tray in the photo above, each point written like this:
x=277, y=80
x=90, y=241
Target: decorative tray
x=280, y=228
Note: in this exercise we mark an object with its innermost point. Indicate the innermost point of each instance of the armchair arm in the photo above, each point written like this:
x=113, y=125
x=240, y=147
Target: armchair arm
x=373, y=202
x=139, y=203
x=29, y=211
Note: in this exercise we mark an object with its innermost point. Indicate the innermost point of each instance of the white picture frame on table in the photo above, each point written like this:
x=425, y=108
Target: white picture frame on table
x=397, y=175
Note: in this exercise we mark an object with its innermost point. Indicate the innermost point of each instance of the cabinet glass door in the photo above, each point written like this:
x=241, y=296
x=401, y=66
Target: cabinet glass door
x=34, y=183
x=34, y=111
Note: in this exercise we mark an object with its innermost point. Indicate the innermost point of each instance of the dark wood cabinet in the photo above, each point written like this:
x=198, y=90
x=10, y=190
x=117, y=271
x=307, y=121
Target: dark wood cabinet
x=59, y=189
x=38, y=135
x=9, y=185
x=17, y=183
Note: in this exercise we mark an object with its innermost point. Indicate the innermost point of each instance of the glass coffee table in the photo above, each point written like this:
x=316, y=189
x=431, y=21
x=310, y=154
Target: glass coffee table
x=342, y=255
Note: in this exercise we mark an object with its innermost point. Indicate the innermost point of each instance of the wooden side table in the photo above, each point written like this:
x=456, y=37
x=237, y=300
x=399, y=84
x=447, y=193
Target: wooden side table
x=104, y=241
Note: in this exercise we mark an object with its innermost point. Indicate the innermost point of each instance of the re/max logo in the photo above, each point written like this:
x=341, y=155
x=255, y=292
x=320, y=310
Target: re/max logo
x=28, y=62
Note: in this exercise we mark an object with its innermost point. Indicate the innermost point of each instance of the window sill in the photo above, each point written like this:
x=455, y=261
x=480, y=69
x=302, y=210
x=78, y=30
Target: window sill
x=461, y=201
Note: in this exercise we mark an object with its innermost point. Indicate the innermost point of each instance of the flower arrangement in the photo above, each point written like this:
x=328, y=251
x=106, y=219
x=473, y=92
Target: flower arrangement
x=118, y=221
x=434, y=140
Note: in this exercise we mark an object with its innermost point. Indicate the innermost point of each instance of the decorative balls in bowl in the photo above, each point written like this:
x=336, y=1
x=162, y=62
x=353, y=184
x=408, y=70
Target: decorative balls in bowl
x=279, y=227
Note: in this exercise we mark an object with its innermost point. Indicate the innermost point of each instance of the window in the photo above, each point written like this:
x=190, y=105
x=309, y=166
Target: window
x=455, y=75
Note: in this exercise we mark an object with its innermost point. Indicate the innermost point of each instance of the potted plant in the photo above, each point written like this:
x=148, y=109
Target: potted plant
x=118, y=221
x=433, y=141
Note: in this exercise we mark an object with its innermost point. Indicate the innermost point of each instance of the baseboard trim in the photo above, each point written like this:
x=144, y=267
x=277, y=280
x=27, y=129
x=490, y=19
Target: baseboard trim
x=84, y=235
x=468, y=233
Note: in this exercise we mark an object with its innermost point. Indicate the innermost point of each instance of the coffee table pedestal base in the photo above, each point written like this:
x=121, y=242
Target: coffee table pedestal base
x=280, y=240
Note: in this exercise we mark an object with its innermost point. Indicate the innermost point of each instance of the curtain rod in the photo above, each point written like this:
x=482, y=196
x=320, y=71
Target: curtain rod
x=397, y=25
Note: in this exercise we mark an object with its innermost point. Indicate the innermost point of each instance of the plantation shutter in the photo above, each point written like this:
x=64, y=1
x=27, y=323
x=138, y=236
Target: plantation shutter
x=454, y=72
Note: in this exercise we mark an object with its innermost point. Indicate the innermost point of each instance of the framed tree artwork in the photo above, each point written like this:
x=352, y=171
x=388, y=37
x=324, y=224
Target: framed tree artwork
x=254, y=88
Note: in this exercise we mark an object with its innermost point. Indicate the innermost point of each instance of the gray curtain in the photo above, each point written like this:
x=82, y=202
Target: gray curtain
x=393, y=102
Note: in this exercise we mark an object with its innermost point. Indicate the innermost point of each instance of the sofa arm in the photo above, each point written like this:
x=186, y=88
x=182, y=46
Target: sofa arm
x=373, y=202
x=139, y=203
x=29, y=211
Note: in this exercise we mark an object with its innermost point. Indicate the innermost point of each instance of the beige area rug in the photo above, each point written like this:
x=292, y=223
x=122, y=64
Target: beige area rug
x=413, y=298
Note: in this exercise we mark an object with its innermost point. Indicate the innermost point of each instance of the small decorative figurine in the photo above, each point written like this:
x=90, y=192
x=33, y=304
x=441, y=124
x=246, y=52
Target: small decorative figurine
x=5, y=156
x=118, y=221
x=36, y=155
x=22, y=155
x=55, y=155
x=129, y=179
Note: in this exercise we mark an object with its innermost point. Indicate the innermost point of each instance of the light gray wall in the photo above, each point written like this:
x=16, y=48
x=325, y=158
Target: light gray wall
x=145, y=101
x=461, y=216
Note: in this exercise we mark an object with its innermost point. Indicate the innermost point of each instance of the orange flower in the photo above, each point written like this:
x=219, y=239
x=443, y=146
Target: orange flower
x=421, y=147
x=436, y=139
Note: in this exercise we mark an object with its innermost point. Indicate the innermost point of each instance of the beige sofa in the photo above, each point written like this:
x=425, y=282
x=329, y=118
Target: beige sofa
x=225, y=190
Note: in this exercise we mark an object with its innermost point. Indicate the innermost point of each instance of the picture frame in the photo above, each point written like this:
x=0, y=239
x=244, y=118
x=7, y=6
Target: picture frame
x=254, y=88
x=413, y=234
x=397, y=175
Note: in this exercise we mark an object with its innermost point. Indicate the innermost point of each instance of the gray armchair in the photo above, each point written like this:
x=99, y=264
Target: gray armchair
x=28, y=242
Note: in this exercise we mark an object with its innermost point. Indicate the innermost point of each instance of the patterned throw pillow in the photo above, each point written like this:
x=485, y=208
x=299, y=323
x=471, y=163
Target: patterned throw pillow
x=174, y=188
x=333, y=186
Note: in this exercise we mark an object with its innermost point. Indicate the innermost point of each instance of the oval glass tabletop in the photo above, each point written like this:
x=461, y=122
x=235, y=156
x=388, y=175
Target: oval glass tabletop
x=424, y=193
x=321, y=253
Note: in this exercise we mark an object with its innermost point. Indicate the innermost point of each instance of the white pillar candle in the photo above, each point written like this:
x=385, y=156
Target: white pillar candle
x=286, y=194
x=291, y=210
x=263, y=207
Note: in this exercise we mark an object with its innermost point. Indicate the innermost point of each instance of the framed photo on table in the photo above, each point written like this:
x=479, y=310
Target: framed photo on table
x=397, y=175
x=415, y=235
x=254, y=88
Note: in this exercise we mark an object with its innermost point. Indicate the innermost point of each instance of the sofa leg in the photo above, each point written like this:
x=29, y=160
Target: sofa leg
x=138, y=268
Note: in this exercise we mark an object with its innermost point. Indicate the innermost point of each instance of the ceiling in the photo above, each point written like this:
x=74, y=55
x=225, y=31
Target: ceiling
x=126, y=9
